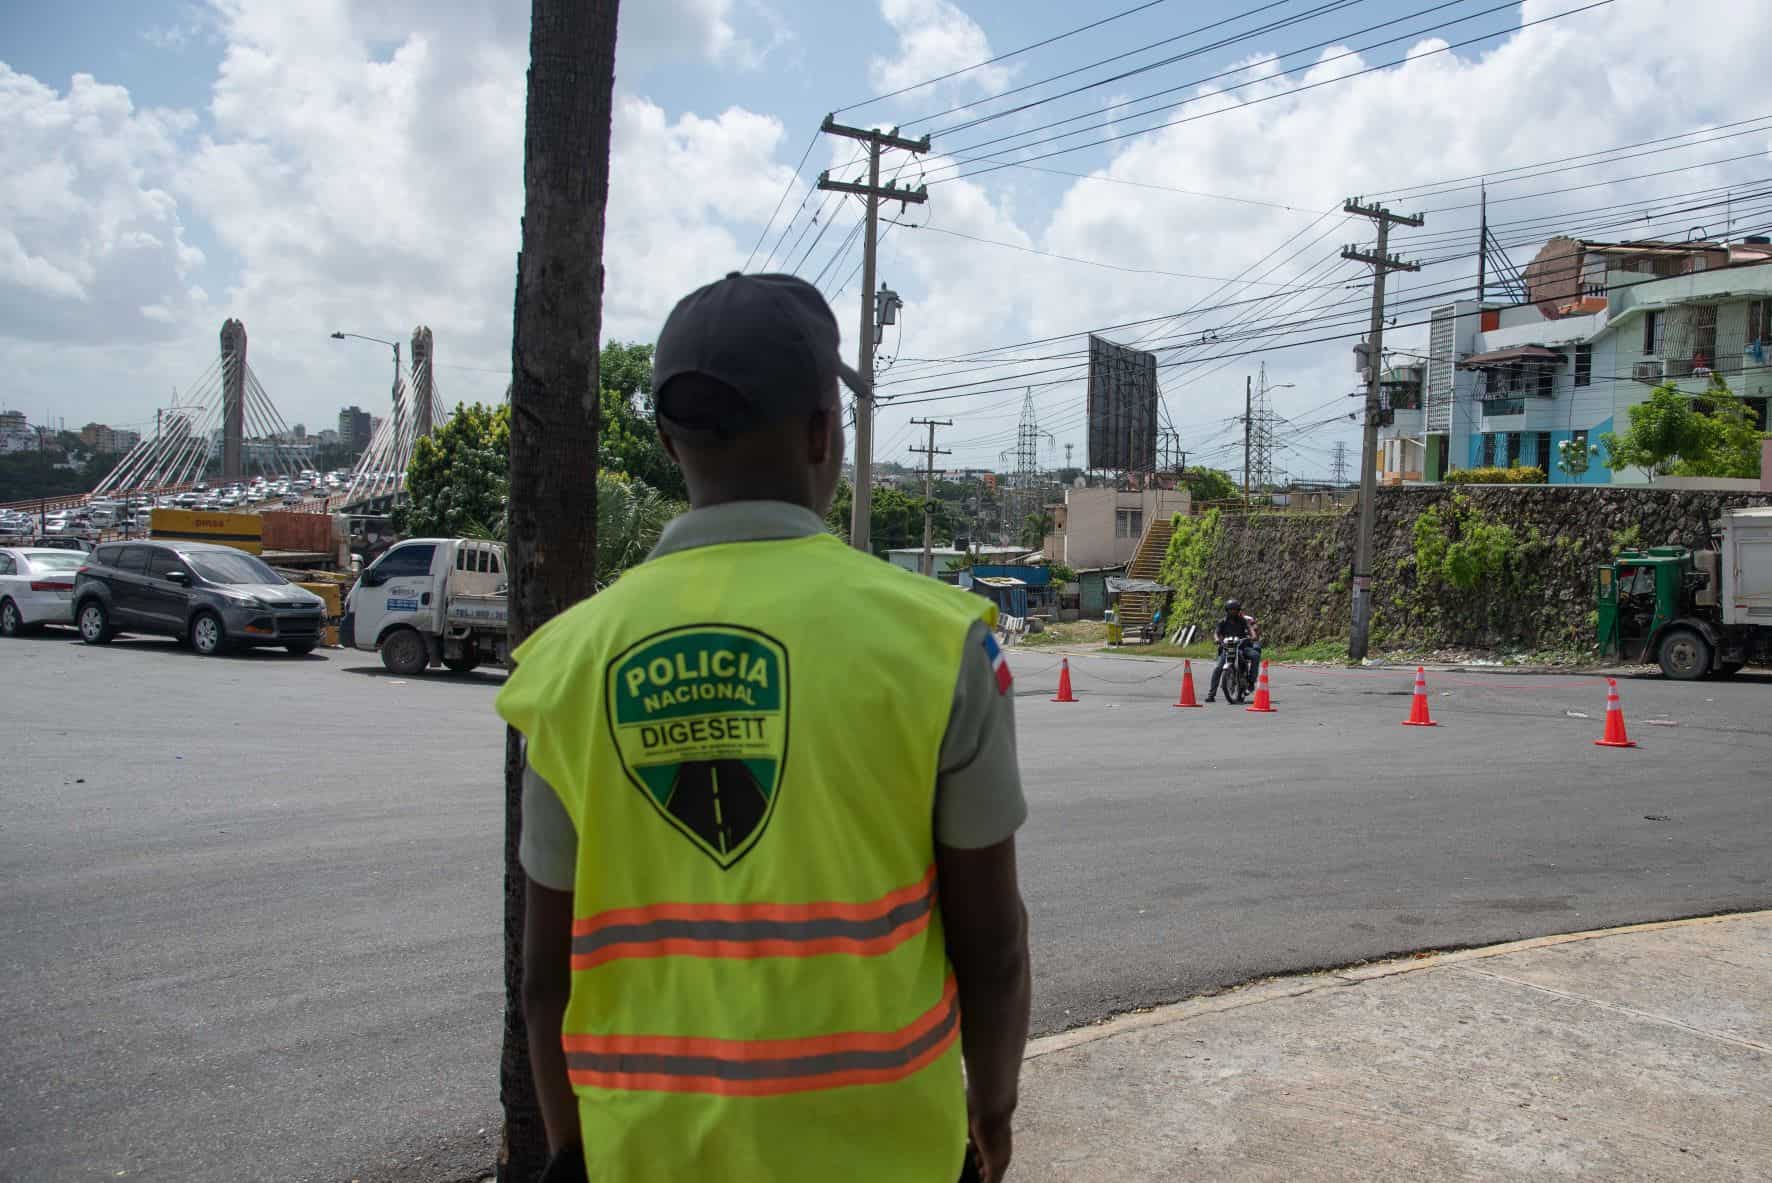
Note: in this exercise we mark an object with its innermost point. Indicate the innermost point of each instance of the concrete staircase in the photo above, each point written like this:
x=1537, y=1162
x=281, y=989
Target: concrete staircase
x=1147, y=563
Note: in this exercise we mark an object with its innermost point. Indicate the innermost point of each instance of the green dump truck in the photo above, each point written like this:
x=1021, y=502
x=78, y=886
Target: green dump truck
x=1697, y=613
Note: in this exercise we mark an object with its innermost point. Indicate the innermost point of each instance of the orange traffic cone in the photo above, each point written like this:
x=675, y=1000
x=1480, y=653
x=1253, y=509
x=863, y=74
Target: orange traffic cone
x=1064, y=682
x=1615, y=736
x=1262, y=704
x=1418, y=716
x=1187, y=698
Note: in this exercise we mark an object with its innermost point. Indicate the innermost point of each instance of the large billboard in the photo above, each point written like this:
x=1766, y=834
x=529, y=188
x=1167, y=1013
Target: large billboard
x=1122, y=408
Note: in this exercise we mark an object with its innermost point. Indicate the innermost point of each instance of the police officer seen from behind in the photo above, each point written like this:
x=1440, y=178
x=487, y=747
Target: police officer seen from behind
x=1236, y=623
x=772, y=897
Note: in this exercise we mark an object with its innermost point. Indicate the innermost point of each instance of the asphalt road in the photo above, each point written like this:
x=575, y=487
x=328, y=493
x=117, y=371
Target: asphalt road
x=249, y=907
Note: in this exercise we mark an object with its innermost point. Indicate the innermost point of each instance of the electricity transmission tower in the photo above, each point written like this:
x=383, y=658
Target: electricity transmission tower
x=1023, y=495
x=1338, y=463
x=1261, y=435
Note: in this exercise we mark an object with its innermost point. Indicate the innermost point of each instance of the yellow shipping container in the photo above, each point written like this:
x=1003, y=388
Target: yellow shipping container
x=334, y=597
x=242, y=531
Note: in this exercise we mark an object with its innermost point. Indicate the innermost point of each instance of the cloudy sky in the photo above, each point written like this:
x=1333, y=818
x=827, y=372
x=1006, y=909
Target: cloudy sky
x=165, y=164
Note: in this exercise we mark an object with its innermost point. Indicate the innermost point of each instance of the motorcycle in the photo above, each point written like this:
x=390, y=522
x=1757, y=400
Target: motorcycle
x=1239, y=669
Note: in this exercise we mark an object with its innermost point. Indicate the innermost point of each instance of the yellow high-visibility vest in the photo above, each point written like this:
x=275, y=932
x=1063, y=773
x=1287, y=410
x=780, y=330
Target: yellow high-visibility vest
x=746, y=736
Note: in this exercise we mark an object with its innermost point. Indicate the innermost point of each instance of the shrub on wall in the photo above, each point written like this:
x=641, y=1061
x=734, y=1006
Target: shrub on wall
x=1496, y=476
x=1187, y=562
x=1463, y=547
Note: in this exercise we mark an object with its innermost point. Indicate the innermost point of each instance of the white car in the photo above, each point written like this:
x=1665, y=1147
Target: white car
x=36, y=587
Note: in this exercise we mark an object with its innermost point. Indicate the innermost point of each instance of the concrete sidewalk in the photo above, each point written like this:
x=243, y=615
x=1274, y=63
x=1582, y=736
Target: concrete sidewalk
x=1637, y=1053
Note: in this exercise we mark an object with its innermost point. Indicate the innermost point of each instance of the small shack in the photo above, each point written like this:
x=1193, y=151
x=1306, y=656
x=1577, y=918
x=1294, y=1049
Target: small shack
x=1009, y=594
x=1092, y=590
x=1042, y=593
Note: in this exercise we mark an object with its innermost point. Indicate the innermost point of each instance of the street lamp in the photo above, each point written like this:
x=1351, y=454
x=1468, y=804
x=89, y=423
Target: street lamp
x=394, y=345
x=400, y=460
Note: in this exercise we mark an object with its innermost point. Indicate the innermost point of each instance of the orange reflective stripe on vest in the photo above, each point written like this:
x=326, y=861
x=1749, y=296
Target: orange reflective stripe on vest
x=762, y=1067
x=755, y=930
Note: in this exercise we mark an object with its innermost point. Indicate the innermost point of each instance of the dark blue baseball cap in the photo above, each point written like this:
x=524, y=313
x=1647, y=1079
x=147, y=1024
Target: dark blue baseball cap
x=770, y=340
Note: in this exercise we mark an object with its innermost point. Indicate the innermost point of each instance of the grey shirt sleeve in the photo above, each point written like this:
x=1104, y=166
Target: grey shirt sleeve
x=978, y=796
x=548, y=848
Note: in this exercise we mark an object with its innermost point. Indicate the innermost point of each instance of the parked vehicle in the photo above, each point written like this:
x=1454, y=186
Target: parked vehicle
x=36, y=588
x=431, y=601
x=214, y=597
x=1696, y=613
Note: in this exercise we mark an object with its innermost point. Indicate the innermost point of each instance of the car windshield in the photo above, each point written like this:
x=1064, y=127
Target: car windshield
x=56, y=560
x=232, y=568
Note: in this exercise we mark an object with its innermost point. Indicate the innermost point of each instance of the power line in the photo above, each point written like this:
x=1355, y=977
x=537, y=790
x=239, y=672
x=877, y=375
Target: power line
x=787, y=189
x=961, y=390
x=1293, y=93
x=1107, y=180
x=1102, y=113
x=1076, y=259
x=981, y=358
x=1144, y=69
x=1002, y=57
x=1494, y=175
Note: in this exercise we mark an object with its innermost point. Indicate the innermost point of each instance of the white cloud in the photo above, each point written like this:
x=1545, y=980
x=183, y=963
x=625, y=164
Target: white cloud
x=652, y=32
x=935, y=37
x=89, y=234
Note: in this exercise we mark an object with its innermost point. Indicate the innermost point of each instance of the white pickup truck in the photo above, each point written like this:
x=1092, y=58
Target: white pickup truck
x=431, y=601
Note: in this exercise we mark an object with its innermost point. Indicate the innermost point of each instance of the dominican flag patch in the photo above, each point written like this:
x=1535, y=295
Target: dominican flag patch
x=999, y=664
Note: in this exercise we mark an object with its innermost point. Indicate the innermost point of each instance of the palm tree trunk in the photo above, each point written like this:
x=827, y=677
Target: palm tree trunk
x=554, y=347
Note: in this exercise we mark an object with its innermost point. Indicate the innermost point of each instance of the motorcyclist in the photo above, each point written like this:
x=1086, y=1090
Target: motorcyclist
x=1241, y=626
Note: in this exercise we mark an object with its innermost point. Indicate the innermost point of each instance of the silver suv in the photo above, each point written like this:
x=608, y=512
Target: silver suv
x=215, y=597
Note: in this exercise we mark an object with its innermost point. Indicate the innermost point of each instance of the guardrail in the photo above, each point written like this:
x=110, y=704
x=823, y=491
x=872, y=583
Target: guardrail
x=31, y=504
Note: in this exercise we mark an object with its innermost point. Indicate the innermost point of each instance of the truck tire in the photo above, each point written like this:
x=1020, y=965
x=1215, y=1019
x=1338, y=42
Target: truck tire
x=461, y=665
x=403, y=652
x=1684, y=655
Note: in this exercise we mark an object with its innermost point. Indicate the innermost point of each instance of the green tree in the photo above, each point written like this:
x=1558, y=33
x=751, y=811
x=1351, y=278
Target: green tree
x=1209, y=484
x=629, y=441
x=630, y=516
x=1673, y=433
x=1034, y=529
x=1733, y=436
x=896, y=518
x=458, y=483
x=40, y=474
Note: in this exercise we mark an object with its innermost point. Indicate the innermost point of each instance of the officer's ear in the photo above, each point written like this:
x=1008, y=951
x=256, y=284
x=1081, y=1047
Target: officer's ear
x=824, y=434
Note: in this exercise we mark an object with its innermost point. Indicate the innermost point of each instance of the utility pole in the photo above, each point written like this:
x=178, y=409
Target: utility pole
x=1382, y=263
x=930, y=453
x=42, y=499
x=862, y=509
x=1482, y=239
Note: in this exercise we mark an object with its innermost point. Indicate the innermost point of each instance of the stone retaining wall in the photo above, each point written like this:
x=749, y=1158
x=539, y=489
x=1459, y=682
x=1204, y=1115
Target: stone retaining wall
x=1291, y=570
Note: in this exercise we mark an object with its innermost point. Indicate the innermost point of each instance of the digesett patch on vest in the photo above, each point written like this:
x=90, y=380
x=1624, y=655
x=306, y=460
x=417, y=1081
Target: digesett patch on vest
x=699, y=716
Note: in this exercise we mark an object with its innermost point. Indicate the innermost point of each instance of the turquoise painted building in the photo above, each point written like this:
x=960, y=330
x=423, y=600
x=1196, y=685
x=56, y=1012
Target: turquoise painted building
x=1537, y=383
